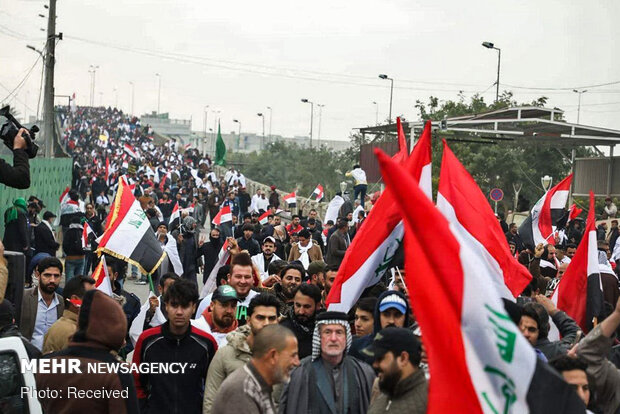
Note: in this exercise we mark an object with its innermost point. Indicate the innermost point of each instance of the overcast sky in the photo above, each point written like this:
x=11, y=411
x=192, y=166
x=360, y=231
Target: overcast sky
x=239, y=57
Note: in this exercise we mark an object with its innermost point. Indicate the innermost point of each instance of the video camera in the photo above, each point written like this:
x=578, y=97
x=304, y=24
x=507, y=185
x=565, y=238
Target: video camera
x=9, y=131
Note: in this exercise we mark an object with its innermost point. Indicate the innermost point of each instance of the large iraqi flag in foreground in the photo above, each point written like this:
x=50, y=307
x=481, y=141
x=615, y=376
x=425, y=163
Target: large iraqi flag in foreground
x=376, y=242
x=128, y=234
x=465, y=206
x=479, y=362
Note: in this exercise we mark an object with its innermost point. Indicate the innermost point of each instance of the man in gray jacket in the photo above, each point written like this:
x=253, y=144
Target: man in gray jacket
x=397, y=354
x=593, y=350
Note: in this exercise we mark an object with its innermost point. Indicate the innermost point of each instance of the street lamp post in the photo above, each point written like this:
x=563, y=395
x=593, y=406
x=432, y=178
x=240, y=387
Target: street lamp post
x=270, y=121
x=216, y=117
x=132, y=95
x=580, y=92
x=115, y=97
x=320, y=117
x=238, y=136
x=262, y=141
x=158, y=92
x=546, y=182
x=490, y=45
x=92, y=70
x=384, y=76
x=204, y=141
x=376, y=112
x=304, y=100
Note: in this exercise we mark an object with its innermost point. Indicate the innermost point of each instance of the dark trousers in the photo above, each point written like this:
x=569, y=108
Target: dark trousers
x=361, y=190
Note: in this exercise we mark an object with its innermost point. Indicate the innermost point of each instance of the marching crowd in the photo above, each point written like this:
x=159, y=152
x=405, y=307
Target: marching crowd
x=263, y=341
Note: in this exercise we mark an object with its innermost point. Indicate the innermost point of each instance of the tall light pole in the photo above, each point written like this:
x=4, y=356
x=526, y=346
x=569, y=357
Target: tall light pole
x=204, y=141
x=384, y=76
x=48, y=96
x=270, y=121
x=490, y=45
x=320, y=117
x=262, y=141
x=92, y=70
x=376, y=112
x=158, y=92
x=238, y=136
x=579, y=104
x=115, y=97
x=132, y=95
x=304, y=100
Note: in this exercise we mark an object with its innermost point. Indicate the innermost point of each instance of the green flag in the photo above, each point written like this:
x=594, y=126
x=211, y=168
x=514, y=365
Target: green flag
x=220, y=148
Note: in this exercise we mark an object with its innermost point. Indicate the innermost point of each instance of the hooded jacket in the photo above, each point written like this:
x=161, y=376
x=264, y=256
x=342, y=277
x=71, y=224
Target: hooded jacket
x=101, y=331
x=360, y=343
x=235, y=354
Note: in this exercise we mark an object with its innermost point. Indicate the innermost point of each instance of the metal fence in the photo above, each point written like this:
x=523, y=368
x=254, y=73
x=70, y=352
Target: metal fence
x=48, y=179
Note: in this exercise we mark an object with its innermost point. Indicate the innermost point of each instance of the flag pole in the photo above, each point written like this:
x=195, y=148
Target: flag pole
x=151, y=286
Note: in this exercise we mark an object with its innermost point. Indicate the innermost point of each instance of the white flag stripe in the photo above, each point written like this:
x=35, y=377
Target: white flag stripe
x=481, y=335
x=491, y=267
x=360, y=280
x=559, y=199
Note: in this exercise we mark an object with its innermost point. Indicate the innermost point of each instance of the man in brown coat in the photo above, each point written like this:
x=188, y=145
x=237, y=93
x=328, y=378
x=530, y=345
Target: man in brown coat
x=306, y=250
x=101, y=331
x=57, y=337
x=338, y=244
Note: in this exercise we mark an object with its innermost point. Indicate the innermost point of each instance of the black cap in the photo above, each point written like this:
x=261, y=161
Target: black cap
x=48, y=214
x=395, y=340
x=7, y=312
x=225, y=293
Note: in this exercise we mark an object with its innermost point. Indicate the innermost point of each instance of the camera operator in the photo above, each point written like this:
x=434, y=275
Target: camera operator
x=18, y=175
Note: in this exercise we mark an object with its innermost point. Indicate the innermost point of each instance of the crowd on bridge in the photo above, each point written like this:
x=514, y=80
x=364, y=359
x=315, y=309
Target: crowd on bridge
x=264, y=340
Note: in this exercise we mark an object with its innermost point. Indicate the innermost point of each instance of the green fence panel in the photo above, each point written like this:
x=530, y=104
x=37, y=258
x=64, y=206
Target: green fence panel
x=48, y=179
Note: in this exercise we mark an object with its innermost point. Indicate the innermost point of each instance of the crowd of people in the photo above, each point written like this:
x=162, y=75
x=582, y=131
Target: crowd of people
x=264, y=341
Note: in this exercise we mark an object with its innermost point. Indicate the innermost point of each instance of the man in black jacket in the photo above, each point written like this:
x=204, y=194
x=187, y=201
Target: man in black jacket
x=210, y=251
x=247, y=242
x=300, y=318
x=176, y=341
x=17, y=176
x=44, y=239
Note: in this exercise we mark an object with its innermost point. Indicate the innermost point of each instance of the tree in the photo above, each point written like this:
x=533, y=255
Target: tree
x=289, y=166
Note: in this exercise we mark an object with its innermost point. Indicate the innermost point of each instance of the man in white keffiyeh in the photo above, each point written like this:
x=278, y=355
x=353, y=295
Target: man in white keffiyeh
x=306, y=251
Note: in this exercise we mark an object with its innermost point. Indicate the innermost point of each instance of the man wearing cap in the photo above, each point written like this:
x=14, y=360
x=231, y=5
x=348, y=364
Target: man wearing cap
x=44, y=238
x=247, y=242
x=316, y=275
x=219, y=317
x=262, y=260
x=392, y=310
x=330, y=380
x=397, y=354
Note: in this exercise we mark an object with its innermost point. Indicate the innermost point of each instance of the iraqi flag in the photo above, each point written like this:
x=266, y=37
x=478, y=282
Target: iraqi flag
x=223, y=258
x=540, y=225
x=264, y=218
x=223, y=216
x=128, y=234
x=107, y=171
x=318, y=193
x=573, y=213
x=130, y=151
x=579, y=292
x=102, y=277
x=86, y=232
x=291, y=199
x=492, y=368
x=175, y=218
x=376, y=242
x=465, y=206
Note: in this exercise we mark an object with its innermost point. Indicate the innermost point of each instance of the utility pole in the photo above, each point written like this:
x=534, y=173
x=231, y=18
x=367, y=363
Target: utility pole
x=270, y=119
x=320, y=117
x=48, y=99
x=132, y=96
x=579, y=104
